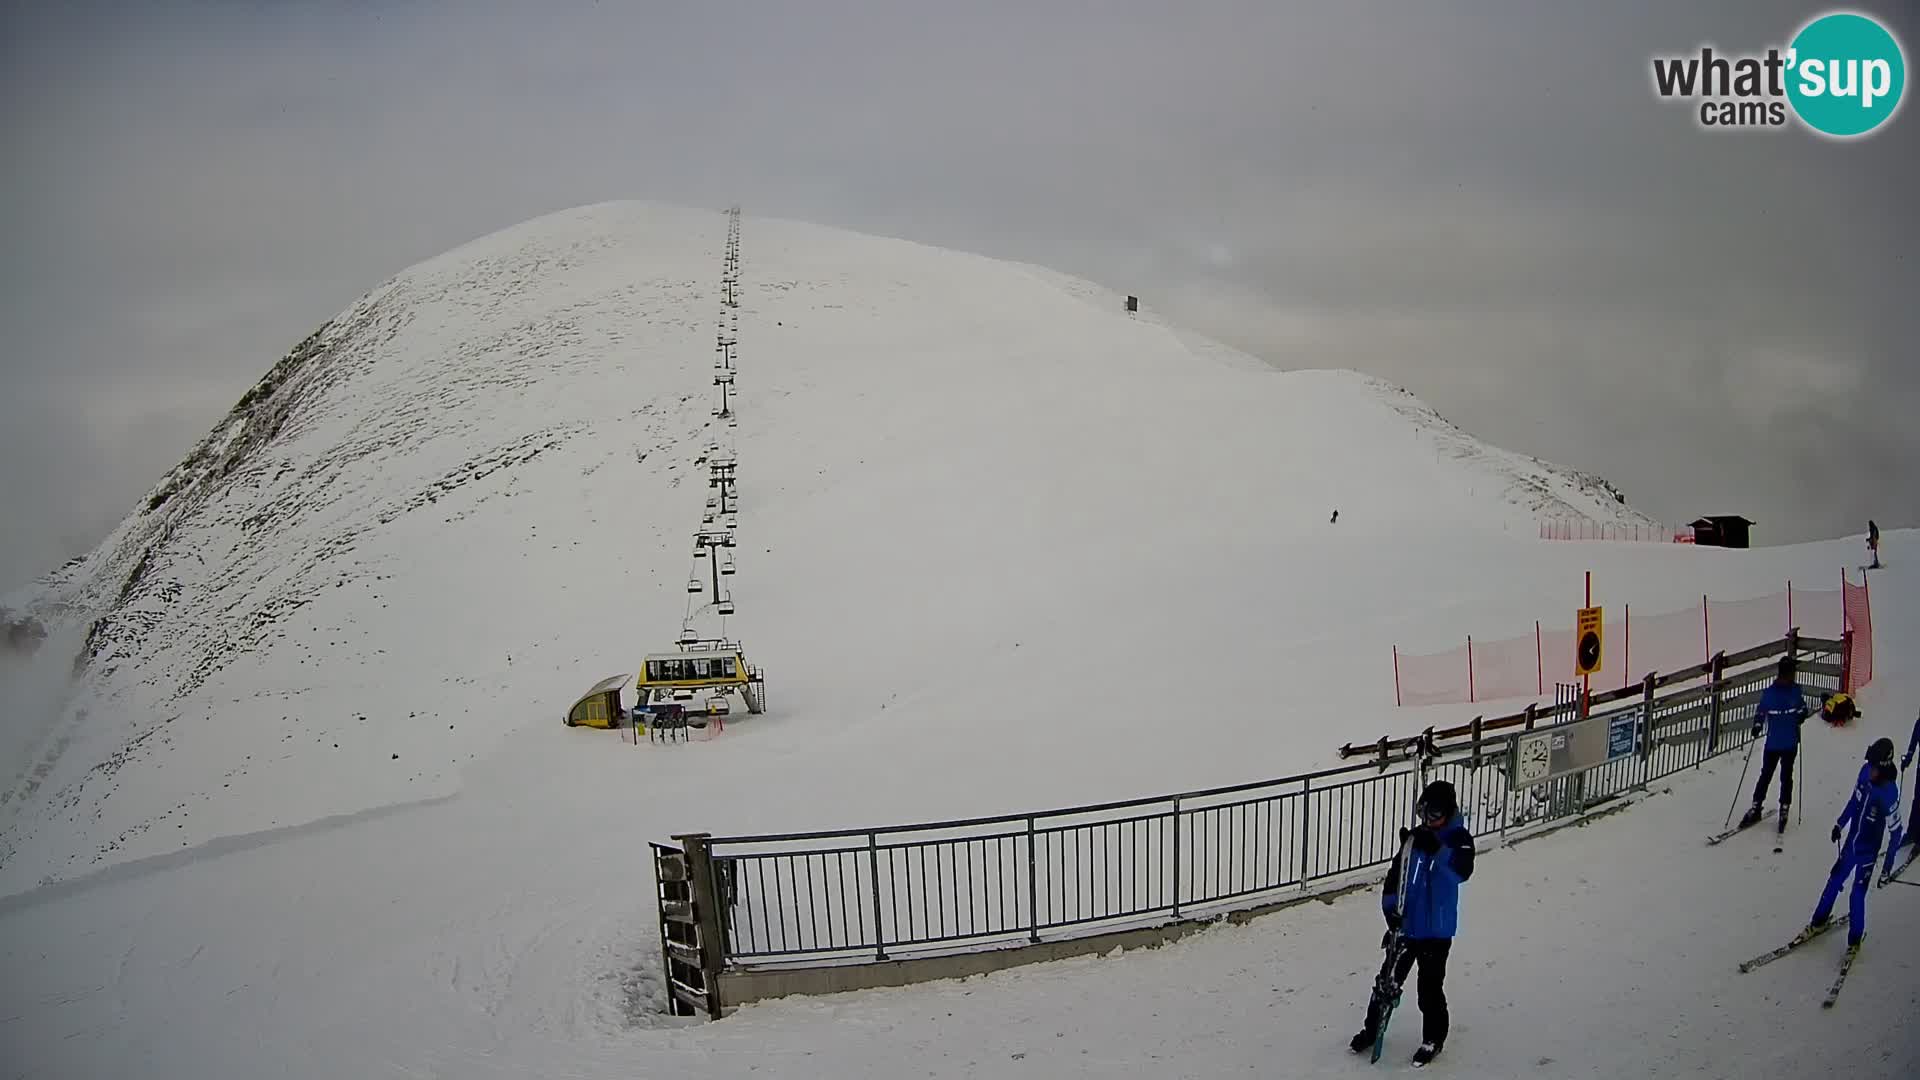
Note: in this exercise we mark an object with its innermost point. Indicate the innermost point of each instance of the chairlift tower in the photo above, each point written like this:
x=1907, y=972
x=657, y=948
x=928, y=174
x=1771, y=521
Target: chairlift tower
x=714, y=545
x=721, y=475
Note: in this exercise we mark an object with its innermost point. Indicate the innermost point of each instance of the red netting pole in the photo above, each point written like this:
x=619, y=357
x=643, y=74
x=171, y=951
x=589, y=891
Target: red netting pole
x=1789, y=604
x=1626, y=664
x=1539, y=662
x=1586, y=681
x=1396, y=676
x=1866, y=605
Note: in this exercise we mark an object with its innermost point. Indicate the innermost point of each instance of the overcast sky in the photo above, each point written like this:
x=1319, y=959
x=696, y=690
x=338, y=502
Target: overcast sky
x=1481, y=201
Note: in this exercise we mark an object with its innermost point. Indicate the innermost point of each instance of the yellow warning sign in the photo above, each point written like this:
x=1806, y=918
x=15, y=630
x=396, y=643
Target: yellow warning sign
x=1588, y=641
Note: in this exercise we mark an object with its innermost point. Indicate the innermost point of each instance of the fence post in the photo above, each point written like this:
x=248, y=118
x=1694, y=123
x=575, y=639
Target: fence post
x=873, y=871
x=706, y=909
x=1646, y=708
x=1176, y=854
x=1476, y=740
x=1422, y=746
x=1532, y=706
x=1715, y=667
x=1306, y=799
x=1033, y=880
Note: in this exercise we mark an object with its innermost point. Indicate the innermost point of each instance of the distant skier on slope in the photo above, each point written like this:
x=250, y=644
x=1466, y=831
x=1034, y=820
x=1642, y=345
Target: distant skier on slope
x=1441, y=859
x=1782, y=710
x=1873, y=543
x=1874, y=803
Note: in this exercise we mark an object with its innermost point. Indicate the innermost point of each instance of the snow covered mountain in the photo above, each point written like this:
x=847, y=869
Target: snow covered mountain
x=307, y=808
x=471, y=493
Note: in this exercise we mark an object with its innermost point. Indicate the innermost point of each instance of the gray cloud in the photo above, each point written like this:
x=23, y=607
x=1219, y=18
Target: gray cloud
x=1481, y=201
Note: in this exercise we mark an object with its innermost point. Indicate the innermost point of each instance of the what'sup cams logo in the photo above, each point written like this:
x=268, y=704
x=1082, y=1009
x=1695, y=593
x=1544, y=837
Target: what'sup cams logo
x=1843, y=75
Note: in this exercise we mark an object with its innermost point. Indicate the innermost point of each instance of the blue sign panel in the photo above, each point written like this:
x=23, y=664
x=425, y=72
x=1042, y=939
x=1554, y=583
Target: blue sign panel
x=1620, y=735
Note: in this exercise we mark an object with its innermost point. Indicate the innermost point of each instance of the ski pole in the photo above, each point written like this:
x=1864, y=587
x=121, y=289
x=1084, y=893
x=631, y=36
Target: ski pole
x=1803, y=784
x=1745, y=764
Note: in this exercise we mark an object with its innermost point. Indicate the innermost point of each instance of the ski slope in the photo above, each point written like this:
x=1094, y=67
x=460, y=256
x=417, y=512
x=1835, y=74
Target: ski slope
x=310, y=811
x=471, y=496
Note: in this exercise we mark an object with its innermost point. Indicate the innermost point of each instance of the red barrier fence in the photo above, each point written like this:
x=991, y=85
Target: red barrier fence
x=1858, y=611
x=1584, y=529
x=1632, y=645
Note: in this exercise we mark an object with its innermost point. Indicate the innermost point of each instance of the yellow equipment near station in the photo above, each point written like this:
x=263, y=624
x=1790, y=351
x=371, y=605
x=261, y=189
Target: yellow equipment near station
x=600, y=706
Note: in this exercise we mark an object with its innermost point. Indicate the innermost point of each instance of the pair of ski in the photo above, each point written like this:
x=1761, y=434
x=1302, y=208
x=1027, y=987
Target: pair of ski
x=1802, y=938
x=1743, y=826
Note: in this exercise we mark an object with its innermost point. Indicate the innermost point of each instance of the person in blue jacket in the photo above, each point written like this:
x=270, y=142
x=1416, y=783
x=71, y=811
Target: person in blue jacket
x=1782, y=710
x=1875, y=802
x=1440, y=859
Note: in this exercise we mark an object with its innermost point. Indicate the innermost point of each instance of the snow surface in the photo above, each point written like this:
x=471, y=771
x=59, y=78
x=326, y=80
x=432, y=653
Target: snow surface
x=991, y=527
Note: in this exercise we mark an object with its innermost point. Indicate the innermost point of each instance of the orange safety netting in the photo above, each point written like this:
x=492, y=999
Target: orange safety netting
x=1634, y=644
x=1859, y=616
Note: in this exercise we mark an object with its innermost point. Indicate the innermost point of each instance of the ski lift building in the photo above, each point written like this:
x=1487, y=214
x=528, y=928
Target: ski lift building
x=1721, y=530
x=719, y=666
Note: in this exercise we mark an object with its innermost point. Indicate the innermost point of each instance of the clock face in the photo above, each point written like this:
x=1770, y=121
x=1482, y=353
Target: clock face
x=1535, y=758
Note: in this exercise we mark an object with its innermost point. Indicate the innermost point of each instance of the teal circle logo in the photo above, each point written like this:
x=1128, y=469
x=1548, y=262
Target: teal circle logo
x=1846, y=75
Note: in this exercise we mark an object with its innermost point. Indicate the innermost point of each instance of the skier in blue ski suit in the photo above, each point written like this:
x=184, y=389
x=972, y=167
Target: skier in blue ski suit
x=1874, y=804
x=1440, y=859
x=1783, y=709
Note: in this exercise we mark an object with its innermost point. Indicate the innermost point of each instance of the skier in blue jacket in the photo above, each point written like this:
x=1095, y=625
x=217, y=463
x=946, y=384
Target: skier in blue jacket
x=1440, y=859
x=1874, y=803
x=1782, y=710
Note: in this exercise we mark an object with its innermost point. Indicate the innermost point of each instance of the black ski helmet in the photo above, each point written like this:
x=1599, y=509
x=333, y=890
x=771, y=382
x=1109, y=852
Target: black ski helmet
x=1789, y=667
x=1438, y=796
x=1881, y=752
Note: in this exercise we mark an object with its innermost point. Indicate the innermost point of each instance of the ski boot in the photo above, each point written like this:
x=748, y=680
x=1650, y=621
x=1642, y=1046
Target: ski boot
x=1750, y=816
x=1426, y=1053
x=1363, y=1042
